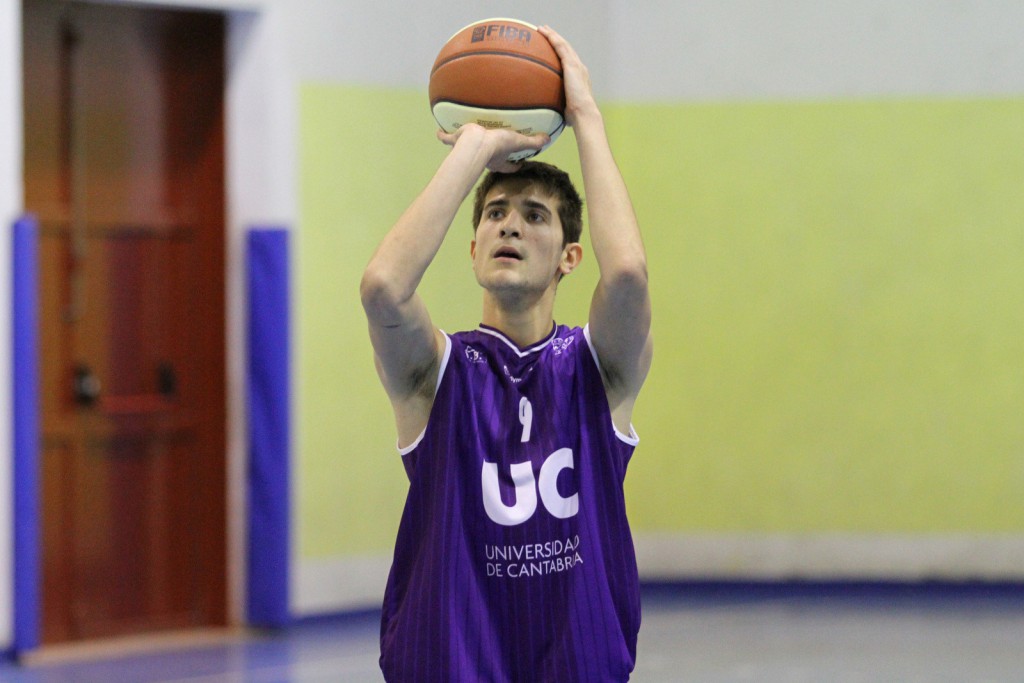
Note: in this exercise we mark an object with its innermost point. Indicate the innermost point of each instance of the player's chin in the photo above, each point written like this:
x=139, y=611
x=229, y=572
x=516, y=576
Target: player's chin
x=502, y=279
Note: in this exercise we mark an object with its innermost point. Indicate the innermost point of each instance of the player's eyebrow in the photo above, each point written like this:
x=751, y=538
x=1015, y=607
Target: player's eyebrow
x=534, y=204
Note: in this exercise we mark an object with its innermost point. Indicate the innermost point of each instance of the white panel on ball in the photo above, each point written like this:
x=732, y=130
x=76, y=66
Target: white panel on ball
x=451, y=117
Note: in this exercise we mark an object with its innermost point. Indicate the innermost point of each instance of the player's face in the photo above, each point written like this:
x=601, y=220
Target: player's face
x=518, y=242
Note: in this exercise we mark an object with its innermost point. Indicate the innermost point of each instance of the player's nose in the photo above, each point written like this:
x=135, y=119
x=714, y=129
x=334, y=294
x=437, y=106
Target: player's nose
x=513, y=226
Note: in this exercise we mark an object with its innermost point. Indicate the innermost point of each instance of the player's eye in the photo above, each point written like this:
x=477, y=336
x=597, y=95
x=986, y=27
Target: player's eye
x=495, y=214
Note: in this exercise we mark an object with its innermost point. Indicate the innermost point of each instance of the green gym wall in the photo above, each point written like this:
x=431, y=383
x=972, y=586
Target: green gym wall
x=838, y=313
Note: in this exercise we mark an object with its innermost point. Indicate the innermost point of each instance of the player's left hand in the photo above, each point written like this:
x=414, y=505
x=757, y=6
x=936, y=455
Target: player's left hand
x=579, y=93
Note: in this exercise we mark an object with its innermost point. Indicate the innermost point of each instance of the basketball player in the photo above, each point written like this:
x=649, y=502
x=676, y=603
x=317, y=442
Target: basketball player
x=514, y=560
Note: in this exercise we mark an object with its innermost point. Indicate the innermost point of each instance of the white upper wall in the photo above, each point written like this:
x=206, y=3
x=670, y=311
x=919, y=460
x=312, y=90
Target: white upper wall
x=807, y=49
x=670, y=50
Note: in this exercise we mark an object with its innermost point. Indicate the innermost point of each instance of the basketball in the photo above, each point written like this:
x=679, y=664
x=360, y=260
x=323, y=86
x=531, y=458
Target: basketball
x=499, y=73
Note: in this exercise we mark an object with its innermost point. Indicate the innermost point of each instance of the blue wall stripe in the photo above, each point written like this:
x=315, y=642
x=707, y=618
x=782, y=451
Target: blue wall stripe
x=25, y=324
x=269, y=404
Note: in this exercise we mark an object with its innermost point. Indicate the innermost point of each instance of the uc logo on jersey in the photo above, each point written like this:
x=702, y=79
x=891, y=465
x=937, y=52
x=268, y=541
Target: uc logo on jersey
x=527, y=489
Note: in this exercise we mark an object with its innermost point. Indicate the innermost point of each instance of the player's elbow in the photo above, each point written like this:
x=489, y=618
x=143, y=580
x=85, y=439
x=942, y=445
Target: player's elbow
x=627, y=276
x=379, y=294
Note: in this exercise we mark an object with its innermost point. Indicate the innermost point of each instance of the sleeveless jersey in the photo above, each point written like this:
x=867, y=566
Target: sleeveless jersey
x=514, y=560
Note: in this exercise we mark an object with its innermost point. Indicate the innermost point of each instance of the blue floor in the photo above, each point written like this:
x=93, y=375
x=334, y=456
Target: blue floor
x=705, y=632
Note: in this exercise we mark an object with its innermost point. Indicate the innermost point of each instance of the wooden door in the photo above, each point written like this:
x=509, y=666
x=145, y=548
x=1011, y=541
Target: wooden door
x=124, y=166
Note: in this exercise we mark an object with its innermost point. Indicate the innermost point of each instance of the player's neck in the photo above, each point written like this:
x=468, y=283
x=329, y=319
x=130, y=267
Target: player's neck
x=525, y=326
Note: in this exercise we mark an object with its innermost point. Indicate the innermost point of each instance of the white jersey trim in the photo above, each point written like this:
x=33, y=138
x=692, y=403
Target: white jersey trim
x=440, y=374
x=522, y=353
x=632, y=439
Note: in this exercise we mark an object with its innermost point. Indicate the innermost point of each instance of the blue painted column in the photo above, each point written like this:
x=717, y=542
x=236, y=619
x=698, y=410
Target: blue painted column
x=269, y=424
x=26, y=426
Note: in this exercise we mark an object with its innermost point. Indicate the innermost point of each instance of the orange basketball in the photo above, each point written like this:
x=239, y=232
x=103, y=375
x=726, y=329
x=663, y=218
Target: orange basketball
x=499, y=73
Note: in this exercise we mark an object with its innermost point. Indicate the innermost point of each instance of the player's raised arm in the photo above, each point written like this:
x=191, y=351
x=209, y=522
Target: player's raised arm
x=406, y=344
x=620, y=311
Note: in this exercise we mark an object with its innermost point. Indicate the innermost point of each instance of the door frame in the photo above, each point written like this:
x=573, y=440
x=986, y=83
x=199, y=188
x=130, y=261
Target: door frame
x=260, y=189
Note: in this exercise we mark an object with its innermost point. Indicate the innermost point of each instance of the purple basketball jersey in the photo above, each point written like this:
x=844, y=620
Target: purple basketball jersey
x=514, y=560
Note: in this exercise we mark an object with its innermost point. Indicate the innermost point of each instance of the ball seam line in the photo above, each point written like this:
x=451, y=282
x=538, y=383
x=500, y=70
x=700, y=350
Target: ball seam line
x=496, y=53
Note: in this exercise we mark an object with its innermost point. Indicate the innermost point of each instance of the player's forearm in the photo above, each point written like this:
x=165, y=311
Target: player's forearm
x=614, y=231
x=398, y=265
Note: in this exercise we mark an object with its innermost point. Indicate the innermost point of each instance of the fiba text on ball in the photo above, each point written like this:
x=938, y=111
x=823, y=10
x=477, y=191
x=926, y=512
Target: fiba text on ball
x=501, y=32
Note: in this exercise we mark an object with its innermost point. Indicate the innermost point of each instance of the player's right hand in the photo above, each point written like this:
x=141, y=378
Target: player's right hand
x=497, y=143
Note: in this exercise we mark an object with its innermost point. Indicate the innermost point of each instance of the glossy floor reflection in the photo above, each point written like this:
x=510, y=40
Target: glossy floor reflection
x=690, y=633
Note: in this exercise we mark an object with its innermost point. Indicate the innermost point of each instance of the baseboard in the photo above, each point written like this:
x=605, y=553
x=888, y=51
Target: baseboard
x=1008, y=594
x=831, y=557
x=146, y=644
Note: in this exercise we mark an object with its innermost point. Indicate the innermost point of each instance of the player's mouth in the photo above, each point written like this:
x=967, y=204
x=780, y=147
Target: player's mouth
x=508, y=253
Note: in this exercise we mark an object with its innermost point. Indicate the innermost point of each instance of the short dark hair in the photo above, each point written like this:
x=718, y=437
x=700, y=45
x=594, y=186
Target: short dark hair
x=553, y=181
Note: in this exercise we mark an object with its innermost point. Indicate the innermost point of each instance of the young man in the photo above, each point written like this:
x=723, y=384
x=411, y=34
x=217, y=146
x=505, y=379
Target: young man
x=514, y=560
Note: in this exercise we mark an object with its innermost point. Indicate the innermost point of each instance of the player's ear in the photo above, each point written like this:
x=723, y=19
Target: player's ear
x=572, y=256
